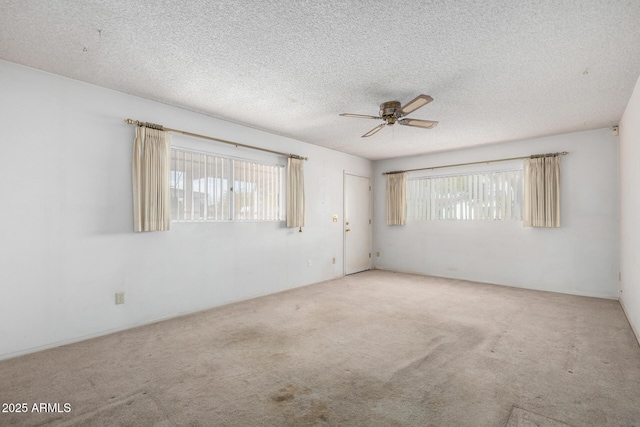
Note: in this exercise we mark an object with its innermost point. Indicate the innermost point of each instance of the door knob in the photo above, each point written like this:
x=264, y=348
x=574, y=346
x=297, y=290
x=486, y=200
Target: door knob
x=348, y=229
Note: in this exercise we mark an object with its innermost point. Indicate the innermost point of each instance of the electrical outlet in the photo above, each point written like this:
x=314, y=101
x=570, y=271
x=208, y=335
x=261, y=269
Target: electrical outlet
x=309, y=263
x=119, y=297
x=378, y=254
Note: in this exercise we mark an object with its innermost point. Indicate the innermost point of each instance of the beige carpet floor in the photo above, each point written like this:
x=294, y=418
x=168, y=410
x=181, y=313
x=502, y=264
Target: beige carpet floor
x=371, y=349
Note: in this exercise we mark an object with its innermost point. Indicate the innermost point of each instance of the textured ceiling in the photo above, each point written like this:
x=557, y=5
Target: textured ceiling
x=498, y=70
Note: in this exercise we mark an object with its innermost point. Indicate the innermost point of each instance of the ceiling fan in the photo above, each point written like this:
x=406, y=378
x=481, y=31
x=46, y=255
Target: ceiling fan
x=392, y=112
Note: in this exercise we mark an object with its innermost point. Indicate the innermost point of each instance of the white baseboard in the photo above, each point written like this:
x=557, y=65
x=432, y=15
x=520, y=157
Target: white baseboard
x=633, y=328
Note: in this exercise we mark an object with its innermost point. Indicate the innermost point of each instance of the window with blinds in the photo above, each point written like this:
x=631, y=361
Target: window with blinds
x=207, y=187
x=495, y=195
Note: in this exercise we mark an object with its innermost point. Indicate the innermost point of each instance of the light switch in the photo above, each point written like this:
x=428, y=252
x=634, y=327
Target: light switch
x=335, y=218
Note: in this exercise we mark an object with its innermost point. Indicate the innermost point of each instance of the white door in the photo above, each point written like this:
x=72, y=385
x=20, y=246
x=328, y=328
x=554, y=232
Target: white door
x=357, y=223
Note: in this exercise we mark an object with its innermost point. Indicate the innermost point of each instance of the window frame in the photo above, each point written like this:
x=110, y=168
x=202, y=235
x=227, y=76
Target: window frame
x=470, y=208
x=228, y=186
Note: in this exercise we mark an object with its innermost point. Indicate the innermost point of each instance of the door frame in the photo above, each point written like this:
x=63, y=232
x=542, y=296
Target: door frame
x=344, y=218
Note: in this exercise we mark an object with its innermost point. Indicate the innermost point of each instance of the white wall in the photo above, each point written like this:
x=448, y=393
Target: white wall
x=67, y=242
x=629, y=208
x=581, y=257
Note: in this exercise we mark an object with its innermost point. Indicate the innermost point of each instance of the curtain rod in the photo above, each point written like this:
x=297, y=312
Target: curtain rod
x=533, y=156
x=210, y=138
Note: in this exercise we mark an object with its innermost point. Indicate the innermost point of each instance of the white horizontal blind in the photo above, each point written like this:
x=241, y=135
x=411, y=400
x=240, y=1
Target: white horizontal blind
x=495, y=195
x=207, y=187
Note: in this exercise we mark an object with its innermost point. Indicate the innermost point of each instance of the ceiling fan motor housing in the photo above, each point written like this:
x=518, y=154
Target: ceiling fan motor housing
x=388, y=111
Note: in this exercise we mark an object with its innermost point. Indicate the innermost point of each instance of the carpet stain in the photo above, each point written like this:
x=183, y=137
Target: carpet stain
x=283, y=396
x=298, y=407
x=287, y=393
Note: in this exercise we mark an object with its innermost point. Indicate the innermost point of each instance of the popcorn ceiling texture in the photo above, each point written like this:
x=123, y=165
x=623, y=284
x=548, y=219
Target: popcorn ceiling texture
x=498, y=71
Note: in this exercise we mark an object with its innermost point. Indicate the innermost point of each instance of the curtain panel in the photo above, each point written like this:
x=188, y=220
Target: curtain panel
x=541, y=201
x=396, y=199
x=151, y=180
x=295, y=193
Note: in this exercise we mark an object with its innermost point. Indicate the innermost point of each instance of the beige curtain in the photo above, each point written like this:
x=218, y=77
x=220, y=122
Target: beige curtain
x=397, y=199
x=541, y=204
x=151, y=180
x=295, y=193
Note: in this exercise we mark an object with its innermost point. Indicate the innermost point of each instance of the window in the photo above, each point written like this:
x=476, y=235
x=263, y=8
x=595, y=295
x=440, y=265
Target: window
x=495, y=195
x=207, y=187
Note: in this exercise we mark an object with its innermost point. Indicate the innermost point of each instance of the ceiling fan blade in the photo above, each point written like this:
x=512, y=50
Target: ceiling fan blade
x=426, y=124
x=374, y=130
x=360, y=116
x=414, y=104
